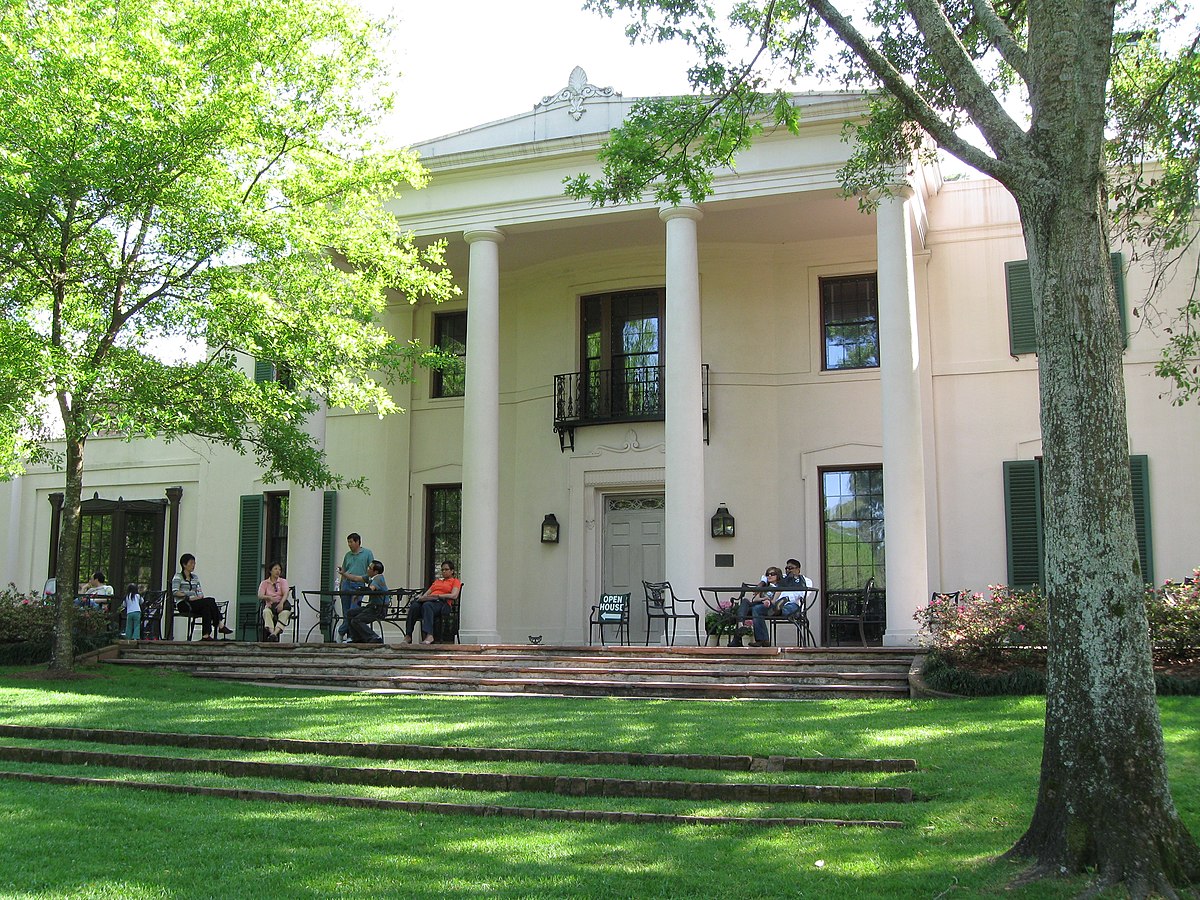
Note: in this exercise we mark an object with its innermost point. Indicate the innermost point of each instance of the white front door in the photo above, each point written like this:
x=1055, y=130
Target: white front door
x=633, y=551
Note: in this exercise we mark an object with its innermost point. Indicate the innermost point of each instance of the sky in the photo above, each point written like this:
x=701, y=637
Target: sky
x=466, y=62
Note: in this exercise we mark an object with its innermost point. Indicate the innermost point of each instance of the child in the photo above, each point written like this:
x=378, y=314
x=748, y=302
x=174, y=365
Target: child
x=133, y=613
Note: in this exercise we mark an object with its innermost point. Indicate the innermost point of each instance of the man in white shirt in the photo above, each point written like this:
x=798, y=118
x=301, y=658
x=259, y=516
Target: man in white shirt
x=792, y=601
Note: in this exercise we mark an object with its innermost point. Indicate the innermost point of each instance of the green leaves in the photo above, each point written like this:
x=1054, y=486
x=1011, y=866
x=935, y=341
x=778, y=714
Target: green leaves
x=183, y=173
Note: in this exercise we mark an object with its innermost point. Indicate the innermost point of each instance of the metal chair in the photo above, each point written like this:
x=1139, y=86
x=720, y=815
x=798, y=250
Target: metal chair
x=152, y=614
x=293, y=620
x=804, y=634
x=661, y=603
x=851, y=610
x=193, y=619
x=613, y=609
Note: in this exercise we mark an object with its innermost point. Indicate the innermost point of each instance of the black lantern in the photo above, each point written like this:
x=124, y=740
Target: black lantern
x=549, y=529
x=722, y=522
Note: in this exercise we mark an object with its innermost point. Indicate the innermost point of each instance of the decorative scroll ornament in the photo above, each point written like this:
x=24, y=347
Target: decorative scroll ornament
x=576, y=92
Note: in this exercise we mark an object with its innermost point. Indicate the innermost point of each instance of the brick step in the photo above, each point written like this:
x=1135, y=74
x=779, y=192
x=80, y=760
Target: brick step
x=381, y=776
x=436, y=808
x=298, y=746
x=569, y=687
x=684, y=672
x=372, y=668
x=549, y=657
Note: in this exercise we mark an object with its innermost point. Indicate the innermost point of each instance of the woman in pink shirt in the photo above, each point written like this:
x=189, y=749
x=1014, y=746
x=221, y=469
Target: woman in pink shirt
x=277, y=605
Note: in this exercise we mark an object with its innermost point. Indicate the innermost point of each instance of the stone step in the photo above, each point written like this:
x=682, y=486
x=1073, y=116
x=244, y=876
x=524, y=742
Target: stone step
x=549, y=657
x=301, y=666
x=570, y=687
x=681, y=672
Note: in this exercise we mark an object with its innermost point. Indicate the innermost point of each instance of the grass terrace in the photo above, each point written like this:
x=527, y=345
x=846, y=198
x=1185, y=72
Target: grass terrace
x=974, y=792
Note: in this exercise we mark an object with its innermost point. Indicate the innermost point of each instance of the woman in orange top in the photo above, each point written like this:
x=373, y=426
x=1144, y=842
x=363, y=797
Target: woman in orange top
x=433, y=604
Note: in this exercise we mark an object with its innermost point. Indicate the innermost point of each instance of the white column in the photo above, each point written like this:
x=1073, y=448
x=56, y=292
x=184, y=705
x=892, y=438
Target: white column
x=686, y=525
x=9, y=570
x=904, y=518
x=305, y=513
x=481, y=441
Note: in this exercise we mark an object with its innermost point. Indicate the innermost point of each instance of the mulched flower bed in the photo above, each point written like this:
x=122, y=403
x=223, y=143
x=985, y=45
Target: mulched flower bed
x=1024, y=672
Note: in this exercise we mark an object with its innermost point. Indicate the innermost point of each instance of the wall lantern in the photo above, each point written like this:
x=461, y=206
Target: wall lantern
x=550, y=529
x=722, y=522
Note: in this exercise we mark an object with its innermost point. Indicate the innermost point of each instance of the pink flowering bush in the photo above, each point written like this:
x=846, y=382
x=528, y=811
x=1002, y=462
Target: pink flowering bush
x=1174, y=612
x=981, y=625
x=27, y=626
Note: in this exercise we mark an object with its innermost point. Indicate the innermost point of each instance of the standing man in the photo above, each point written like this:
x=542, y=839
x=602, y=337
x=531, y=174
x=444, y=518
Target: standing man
x=355, y=575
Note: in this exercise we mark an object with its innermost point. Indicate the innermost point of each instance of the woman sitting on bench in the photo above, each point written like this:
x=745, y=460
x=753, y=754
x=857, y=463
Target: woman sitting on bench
x=433, y=604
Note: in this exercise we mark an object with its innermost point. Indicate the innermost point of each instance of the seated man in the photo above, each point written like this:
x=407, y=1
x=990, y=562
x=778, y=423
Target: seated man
x=432, y=604
x=791, y=602
x=757, y=607
x=96, y=591
x=372, y=608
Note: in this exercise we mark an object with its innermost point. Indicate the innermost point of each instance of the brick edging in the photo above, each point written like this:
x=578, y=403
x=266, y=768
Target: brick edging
x=576, y=815
x=717, y=762
x=566, y=785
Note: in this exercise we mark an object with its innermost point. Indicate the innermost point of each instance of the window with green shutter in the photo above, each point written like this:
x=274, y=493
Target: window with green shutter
x=250, y=565
x=328, y=539
x=265, y=370
x=1019, y=289
x=1024, y=523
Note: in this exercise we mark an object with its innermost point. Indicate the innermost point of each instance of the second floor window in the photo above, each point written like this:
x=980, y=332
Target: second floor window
x=850, y=322
x=450, y=335
x=623, y=352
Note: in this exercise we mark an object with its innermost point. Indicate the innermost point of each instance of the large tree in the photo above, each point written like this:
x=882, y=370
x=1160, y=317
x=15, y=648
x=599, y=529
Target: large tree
x=178, y=174
x=930, y=68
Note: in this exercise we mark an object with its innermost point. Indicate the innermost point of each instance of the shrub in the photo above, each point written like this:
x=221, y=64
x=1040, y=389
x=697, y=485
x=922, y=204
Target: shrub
x=974, y=625
x=27, y=627
x=1174, y=613
x=988, y=626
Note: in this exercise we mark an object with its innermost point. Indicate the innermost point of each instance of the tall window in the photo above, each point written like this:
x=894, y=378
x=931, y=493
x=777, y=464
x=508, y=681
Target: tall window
x=450, y=335
x=276, y=543
x=852, y=527
x=850, y=322
x=622, y=352
x=443, y=528
x=123, y=539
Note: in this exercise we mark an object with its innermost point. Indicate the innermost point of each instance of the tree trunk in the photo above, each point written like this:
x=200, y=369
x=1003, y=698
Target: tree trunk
x=1104, y=803
x=62, y=656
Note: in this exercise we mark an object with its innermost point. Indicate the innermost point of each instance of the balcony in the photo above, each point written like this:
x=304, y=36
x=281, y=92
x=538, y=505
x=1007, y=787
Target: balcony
x=608, y=396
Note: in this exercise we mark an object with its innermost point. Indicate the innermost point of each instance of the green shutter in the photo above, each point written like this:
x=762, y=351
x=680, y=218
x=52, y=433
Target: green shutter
x=1021, y=337
x=1023, y=521
x=250, y=566
x=328, y=563
x=1139, y=473
x=1019, y=287
x=264, y=370
x=328, y=539
x=1118, y=274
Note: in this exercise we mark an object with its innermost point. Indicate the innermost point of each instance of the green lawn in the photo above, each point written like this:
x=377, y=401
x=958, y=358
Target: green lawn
x=976, y=785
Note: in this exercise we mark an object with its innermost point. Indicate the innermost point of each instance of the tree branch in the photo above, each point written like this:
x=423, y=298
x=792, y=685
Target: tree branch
x=1001, y=37
x=913, y=103
x=972, y=93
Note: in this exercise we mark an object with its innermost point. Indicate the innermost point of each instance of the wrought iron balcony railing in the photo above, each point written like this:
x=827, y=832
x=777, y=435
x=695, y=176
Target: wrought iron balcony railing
x=635, y=394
